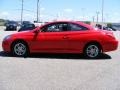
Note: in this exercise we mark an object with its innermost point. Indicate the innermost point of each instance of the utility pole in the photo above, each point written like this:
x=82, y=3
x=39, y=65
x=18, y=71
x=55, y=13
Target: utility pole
x=102, y=13
x=37, y=10
x=22, y=12
x=97, y=16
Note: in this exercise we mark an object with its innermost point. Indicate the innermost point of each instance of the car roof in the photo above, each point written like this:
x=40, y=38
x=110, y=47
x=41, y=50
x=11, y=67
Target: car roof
x=75, y=22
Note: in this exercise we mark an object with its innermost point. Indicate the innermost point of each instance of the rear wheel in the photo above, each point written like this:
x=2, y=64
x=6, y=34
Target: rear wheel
x=20, y=49
x=92, y=51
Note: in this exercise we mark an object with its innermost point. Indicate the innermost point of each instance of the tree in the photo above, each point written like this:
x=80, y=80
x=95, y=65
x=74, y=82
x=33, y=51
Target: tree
x=109, y=25
x=87, y=22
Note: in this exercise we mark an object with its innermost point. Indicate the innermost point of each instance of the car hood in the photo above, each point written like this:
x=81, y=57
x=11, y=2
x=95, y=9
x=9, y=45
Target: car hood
x=21, y=34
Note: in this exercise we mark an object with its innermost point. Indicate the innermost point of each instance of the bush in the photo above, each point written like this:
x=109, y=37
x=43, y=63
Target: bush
x=87, y=22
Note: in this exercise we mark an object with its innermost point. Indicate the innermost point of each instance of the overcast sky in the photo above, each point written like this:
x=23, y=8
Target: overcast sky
x=61, y=9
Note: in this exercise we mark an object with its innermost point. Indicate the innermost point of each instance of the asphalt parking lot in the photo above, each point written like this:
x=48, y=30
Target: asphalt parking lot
x=59, y=72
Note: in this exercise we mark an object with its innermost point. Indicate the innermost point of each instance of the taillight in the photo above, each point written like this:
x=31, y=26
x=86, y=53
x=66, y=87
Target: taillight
x=110, y=34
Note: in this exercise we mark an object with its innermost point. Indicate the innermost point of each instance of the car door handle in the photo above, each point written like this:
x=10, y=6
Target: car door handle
x=65, y=37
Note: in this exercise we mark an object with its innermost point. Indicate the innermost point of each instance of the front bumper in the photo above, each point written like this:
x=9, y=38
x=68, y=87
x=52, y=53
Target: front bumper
x=6, y=46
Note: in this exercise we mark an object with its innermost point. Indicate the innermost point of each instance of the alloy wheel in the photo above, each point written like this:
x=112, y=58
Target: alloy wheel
x=20, y=49
x=92, y=51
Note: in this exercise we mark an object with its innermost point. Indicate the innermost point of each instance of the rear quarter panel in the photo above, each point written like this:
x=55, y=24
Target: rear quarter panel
x=79, y=39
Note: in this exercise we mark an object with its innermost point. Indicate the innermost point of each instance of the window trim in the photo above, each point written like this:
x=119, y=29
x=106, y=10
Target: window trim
x=78, y=25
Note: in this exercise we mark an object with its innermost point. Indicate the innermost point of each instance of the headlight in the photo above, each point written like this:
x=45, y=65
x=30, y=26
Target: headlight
x=7, y=37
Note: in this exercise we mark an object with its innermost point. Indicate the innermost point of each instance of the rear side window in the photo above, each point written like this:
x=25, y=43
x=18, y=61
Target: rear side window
x=76, y=27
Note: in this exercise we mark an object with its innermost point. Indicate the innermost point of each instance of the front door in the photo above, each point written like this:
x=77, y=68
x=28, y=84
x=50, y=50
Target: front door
x=51, y=38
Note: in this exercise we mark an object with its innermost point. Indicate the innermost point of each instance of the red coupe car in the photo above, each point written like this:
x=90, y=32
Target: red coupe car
x=61, y=37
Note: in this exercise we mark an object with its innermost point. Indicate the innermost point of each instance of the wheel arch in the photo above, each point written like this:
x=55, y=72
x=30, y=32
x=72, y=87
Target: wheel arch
x=93, y=42
x=19, y=40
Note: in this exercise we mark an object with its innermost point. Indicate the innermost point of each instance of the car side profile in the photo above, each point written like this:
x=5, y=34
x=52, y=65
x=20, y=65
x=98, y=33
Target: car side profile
x=61, y=37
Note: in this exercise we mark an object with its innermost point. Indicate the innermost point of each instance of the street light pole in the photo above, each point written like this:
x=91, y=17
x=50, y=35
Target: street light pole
x=37, y=10
x=22, y=12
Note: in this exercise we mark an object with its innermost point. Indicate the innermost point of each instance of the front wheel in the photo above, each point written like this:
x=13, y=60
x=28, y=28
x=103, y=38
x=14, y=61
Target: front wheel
x=92, y=51
x=20, y=49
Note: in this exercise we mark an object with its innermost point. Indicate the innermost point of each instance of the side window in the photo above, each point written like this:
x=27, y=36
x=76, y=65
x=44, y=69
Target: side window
x=76, y=27
x=63, y=26
x=50, y=28
x=56, y=27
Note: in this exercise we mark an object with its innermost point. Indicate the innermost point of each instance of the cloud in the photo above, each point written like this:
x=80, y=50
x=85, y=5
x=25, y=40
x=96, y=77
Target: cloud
x=66, y=14
x=42, y=9
x=116, y=14
x=4, y=15
x=112, y=17
x=68, y=10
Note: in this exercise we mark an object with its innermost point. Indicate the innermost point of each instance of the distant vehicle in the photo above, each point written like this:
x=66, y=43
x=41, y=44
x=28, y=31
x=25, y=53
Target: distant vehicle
x=26, y=22
x=109, y=28
x=116, y=27
x=11, y=25
x=26, y=27
x=99, y=26
x=61, y=37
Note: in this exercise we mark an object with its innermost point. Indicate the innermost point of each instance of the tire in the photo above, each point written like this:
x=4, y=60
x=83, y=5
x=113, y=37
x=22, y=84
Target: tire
x=92, y=51
x=20, y=49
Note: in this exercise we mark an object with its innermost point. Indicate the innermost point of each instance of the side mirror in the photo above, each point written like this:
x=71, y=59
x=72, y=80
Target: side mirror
x=36, y=31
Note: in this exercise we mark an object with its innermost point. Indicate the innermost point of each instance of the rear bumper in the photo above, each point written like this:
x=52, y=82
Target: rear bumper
x=110, y=46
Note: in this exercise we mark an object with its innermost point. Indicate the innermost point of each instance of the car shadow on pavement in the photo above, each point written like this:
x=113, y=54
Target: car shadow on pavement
x=58, y=56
